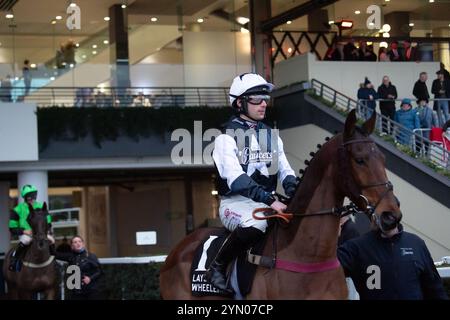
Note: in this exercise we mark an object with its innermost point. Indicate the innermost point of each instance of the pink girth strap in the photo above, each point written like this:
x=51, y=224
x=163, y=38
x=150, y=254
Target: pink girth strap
x=307, y=267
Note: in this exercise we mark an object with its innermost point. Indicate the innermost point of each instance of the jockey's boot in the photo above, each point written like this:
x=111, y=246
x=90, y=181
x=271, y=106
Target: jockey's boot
x=16, y=258
x=240, y=240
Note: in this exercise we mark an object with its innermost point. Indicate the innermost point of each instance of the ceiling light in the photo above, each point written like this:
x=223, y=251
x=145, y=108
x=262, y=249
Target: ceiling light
x=94, y=46
x=242, y=20
x=106, y=18
x=105, y=41
x=431, y=1
x=387, y=0
x=83, y=56
x=289, y=50
x=411, y=24
x=200, y=20
x=94, y=52
x=123, y=6
x=9, y=16
x=77, y=44
x=52, y=78
x=386, y=27
x=58, y=18
x=243, y=30
x=357, y=12
x=53, y=21
x=331, y=22
x=154, y=19
x=289, y=22
x=33, y=65
x=71, y=65
x=214, y=192
x=386, y=35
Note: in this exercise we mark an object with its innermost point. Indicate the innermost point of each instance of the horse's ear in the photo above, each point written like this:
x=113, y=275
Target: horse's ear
x=44, y=206
x=369, y=125
x=350, y=125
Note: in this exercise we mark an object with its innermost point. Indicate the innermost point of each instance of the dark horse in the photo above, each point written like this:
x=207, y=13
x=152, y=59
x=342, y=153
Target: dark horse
x=348, y=165
x=38, y=273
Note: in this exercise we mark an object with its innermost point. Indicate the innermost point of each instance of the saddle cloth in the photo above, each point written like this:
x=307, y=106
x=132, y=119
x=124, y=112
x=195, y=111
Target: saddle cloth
x=204, y=256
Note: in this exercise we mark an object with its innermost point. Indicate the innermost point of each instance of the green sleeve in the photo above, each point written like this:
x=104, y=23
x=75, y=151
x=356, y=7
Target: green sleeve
x=49, y=218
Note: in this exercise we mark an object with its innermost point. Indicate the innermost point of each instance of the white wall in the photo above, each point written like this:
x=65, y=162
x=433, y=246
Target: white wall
x=213, y=59
x=422, y=215
x=345, y=76
x=18, y=132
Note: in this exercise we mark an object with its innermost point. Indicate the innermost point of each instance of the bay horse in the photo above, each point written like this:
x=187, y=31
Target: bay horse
x=38, y=273
x=347, y=165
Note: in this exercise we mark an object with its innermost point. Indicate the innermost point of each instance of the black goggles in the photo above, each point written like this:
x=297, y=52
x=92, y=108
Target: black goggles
x=257, y=99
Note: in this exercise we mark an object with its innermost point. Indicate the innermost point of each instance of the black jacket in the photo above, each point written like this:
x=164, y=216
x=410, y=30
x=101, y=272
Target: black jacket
x=88, y=264
x=437, y=86
x=420, y=91
x=383, y=92
x=407, y=271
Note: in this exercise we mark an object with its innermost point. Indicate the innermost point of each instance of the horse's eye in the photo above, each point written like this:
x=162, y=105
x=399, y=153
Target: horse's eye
x=359, y=161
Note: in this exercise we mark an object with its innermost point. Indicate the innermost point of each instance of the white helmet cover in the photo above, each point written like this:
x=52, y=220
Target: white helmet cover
x=248, y=83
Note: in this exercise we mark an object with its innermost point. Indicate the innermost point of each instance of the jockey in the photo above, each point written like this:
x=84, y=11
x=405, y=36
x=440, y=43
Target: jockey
x=19, y=225
x=248, y=170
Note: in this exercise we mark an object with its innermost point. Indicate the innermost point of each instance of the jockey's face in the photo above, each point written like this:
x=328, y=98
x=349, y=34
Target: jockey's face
x=77, y=244
x=256, y=107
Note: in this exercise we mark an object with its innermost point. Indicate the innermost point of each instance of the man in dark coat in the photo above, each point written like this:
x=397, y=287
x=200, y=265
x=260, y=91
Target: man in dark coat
x=388, y=93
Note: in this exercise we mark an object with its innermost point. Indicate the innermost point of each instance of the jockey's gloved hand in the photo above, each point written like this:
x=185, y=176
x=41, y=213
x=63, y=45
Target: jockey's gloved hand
x=290, y=184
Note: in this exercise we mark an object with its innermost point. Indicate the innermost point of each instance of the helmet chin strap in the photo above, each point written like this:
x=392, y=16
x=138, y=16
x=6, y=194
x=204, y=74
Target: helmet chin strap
x=244, y=109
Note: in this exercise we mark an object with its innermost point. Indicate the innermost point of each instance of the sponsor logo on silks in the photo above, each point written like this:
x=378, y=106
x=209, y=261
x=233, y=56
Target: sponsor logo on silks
x=228, y=212
x=406, y=251
x=249, y=156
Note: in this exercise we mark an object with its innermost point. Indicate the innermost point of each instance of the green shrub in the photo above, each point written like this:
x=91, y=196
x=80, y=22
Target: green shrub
x=131, y=281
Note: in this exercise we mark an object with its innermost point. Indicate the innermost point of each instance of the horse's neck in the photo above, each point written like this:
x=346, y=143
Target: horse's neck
x=36, y=255
x=314, y=239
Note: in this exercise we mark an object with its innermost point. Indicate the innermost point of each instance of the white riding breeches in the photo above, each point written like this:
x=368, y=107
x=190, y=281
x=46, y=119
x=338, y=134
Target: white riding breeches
x=236, y=211
x=25, y=239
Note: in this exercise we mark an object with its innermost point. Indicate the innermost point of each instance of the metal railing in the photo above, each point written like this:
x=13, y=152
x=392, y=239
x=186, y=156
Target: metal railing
x=122, y=97
x=415, y=143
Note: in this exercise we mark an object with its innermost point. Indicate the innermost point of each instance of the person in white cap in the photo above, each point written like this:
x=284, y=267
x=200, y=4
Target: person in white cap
x=248, y=170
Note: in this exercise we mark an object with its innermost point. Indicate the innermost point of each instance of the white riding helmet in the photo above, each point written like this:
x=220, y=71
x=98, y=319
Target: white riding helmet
x=247, y=84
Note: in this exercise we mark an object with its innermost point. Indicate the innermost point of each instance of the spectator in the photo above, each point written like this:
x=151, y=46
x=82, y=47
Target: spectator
x=409, y=119
x=59, y=59
x=335, y=53
x=368, y=95
x=387, y=91
x=370, y=55
x=64, y=247
x=141, y=101
x=90, y=269
x=6, y=89
x=26, y=73
x=420, y=90
x=426, y=120
x=347, y=230
x=410, y=53
x=441, y=90
x=446, y=73
x=394, y=54
x=350, y=51
x=404, y=269
x=362, y=50
x=382, y=55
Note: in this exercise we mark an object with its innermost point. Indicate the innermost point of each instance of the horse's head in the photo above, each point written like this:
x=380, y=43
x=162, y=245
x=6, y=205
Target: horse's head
x=363, y=174
x=38, y=222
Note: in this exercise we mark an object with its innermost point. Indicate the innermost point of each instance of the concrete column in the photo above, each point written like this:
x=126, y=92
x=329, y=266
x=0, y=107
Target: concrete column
x=318, y=20
x=39, y=179
x=4, y=217
x=118, y=38
x=261, y=43
x=399, y=22
x=442, y=50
